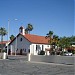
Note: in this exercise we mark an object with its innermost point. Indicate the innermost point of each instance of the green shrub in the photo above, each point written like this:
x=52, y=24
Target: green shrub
x=42, y=52
x=3, y=50
x=73, y=52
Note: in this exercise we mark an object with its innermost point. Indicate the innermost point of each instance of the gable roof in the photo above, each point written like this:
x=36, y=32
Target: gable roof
x=33, y=38
x=36, y=39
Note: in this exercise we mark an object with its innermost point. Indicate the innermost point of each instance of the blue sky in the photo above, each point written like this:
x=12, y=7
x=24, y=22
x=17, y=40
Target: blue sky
x=44, y=15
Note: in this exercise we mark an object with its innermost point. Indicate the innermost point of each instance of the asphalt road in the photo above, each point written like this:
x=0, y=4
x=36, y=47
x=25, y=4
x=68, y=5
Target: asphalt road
x=20, y=66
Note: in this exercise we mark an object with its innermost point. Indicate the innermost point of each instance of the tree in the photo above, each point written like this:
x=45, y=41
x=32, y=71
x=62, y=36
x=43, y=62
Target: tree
x=26, y=31
x=3, y=32
x=64, y=42
x=55, y=39
x=72, y=38
x=49, y=35
x=55, y=43
x=29, y=28
x=12, y=37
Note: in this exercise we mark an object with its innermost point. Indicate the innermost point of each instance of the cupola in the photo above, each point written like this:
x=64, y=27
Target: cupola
x=22, y=30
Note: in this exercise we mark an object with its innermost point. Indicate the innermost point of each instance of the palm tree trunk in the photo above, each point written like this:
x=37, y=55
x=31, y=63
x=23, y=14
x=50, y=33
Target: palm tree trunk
x=29, y=32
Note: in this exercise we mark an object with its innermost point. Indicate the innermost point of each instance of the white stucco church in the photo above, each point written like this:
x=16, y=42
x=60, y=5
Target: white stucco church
x=28, y=43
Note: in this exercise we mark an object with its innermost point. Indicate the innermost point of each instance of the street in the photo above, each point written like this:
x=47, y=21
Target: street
x=20, y=66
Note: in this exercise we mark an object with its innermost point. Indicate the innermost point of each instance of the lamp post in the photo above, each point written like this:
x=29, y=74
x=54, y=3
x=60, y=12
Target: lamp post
x=16, y=41
x=8, y=36
x=15, y=45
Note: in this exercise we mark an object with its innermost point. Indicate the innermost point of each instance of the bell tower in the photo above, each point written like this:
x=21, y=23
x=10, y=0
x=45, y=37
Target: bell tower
x=22, y=30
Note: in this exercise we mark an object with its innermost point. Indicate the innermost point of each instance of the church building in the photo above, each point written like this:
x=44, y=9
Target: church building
x=23, y=44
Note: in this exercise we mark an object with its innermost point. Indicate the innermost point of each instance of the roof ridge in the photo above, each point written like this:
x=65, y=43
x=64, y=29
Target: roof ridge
x=34, y=35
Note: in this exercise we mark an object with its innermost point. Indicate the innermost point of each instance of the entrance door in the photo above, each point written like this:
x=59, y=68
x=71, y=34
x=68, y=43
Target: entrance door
x=9, y=52
x=21, y=52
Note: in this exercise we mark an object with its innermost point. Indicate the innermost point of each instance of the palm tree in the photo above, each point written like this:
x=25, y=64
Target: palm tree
x=26, y=31
x=55, y=43
x=49, y=35
x=3, y=32
x=29, y=28
x=12, y=37
x=55, y=39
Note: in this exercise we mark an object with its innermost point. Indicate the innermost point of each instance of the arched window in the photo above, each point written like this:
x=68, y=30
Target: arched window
x=21, y=39
x=25, y=50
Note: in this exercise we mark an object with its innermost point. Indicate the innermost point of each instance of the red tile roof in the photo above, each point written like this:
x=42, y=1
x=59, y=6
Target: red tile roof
x=4, y=42
x=36, y=39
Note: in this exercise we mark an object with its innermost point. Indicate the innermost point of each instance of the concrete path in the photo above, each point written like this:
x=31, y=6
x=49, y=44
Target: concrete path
x=20, y=66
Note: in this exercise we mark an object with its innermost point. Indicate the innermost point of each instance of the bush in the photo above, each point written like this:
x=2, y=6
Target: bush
x=52, y=53
x=3, y=50
x=73, y=52
x=42, y=52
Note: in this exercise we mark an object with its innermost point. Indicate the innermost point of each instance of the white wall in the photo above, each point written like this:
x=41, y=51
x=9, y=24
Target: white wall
x=39, y=48
x=24, y=44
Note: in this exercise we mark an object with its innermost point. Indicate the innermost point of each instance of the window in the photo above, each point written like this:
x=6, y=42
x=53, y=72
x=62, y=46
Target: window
x=21, y=39
x=42, y=47
x=36, y=47
x=25, y=50
x=48, y=46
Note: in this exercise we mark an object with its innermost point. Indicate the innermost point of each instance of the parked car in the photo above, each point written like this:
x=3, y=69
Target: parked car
x=68, y=54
